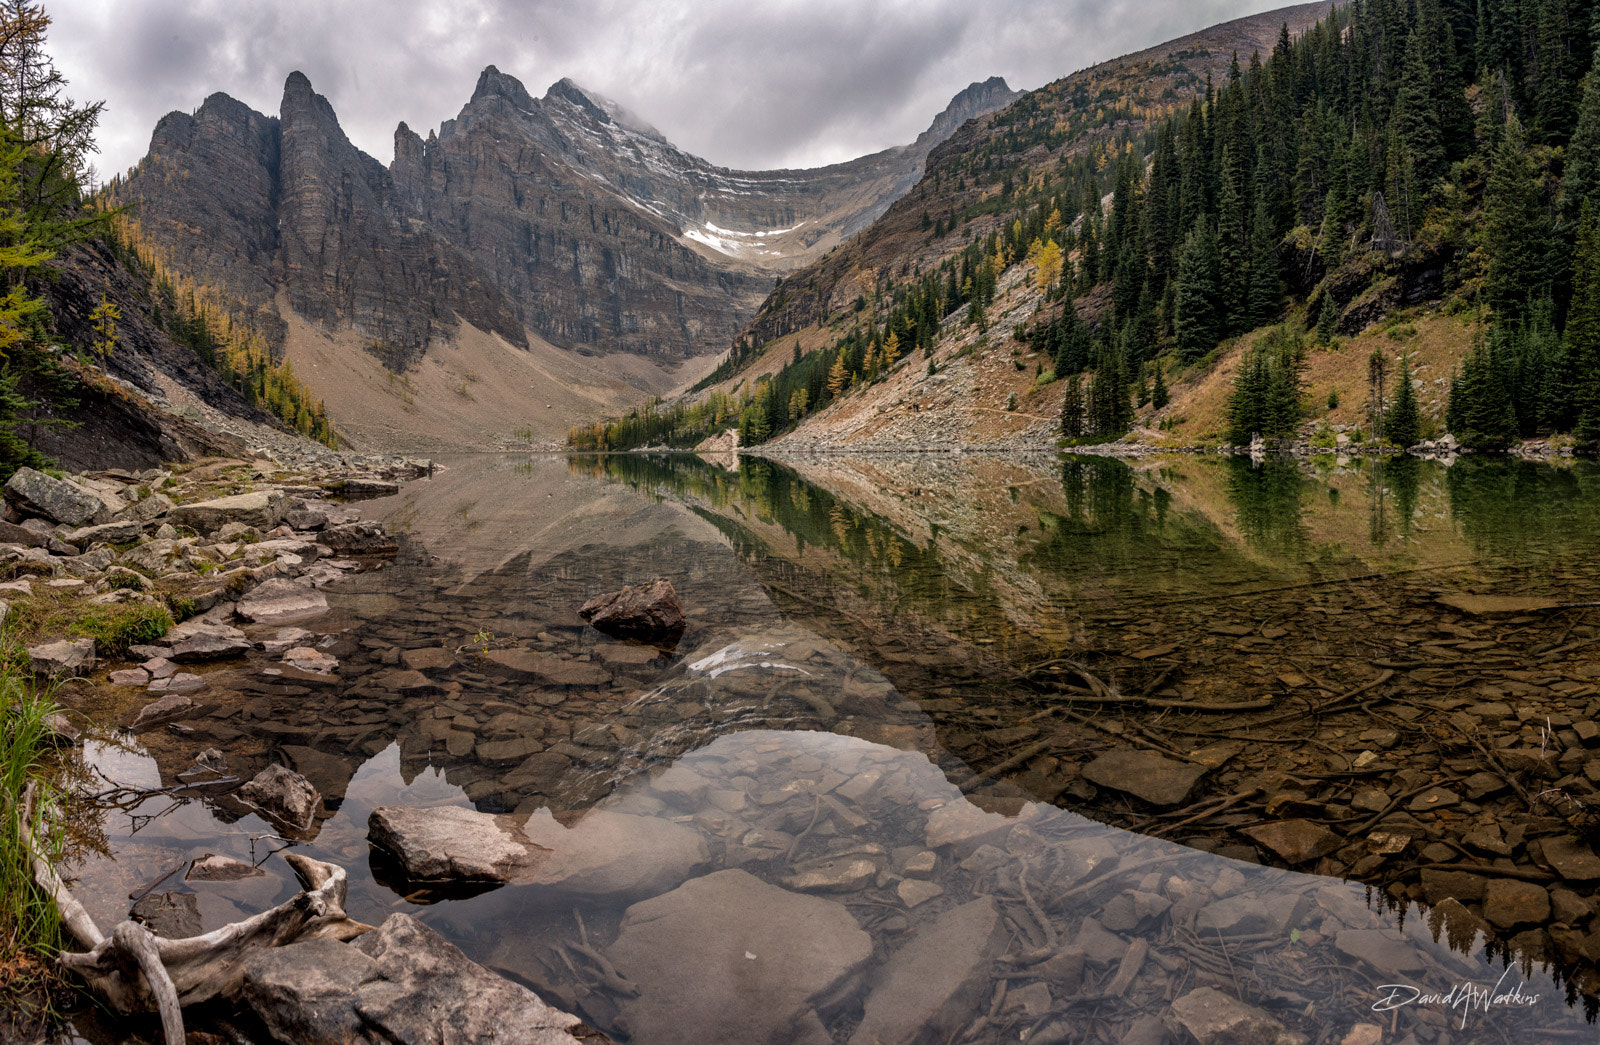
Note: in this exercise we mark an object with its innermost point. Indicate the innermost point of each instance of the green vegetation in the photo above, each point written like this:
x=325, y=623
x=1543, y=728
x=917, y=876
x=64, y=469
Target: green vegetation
x=29, y=925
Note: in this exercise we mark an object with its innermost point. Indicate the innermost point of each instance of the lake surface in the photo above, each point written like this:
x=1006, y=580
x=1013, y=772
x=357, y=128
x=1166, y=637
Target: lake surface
x=865, y=799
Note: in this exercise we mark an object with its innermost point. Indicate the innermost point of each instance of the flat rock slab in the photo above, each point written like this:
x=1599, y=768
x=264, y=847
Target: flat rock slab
x=63, y=659
x=169, y=708
x=449, y=843
x=106, y=533
x=1386, y=952
x=1497, y=605
x=262, y=509
x=278, y=601
x=1158, y=780
x=197, y=640
x=1571, y=859
x=1214, y=1018
x=1295, y=841
x=521, y=663
x=431, y=659
x=401, y=983
x=929, y=988
x=613, y=854
x=729, y=958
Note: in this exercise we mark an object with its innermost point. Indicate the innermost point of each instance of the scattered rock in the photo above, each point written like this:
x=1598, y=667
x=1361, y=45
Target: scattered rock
x=1214, y=1018
x=1159, y=780
x=106, y=533
x=1385, y=951
x=197, y=640
x=643, y=611
x=1508, y=903
x=449, y=843
x=730, y=958
x=279, y=600
x=1496, y=605
x=130, y=677
x=548, y=669
x=1295, y=841
x=1571, y=859
x=915, y=891
x=433, y=658
x=284, y=794
x=839, y=874
x=928, y=989
x=212, y=868
x=305, y=658
x=65, y=658
x=60, y=500
x=175, y=916
x=262, y=509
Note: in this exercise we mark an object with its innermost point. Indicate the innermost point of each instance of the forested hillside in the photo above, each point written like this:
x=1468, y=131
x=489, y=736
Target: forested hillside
x=1397, y=154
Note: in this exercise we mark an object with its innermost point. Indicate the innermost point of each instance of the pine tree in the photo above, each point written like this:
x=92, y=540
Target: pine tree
x=1402, y=424
x=1266, y=288
x=1198, y=322
x=1072, y=408
x=1327, y=320
x=1159, y=396
x=1581, y=342
x=1513, y=230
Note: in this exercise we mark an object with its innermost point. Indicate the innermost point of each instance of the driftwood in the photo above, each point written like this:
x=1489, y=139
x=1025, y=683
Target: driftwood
x=135, y=971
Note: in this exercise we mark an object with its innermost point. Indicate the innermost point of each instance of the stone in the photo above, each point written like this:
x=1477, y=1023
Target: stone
x=449, y=843
x=606, y=853
x=362, y=489
x=642, y=611
x=175, y=916
x=914, y=892
x=361, y=538
x=1363, y=1034
x=541, y=773
x=1247, y=914
x=1294, y=841
x=1434, y=798
x=1508, y=903
x=106, y=533
x=279, y=600
x=729, y=958
x=1573, y=860
x=179, y=682
x=433, y=658
x=11, y=533
x=198, y=640
x=401, y=983
x=839, y=874
x=1497, y=605
x=64, y=658
x=964, y=827
x=59, y=500
x=284, y=794
x=1156, y=779
x=170, y=708
x=1439, y=885
x=262, y=509
x=303, y=658
x=1387, y=952
x=1213, y=1018
x=329, y=773
x=288, y=638
x=306, y=519
x=928, y=989
x=543, y=667
x=921, y=865
x=213, y=868
x=130, y=677
x=1482, y=785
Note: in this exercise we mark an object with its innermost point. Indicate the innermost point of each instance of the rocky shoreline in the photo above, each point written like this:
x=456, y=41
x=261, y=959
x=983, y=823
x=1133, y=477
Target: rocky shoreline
x=165, y=570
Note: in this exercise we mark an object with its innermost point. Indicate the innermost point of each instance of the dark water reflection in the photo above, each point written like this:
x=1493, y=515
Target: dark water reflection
x=854, y=756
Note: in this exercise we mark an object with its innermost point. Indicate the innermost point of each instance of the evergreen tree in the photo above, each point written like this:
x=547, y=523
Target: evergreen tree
x=1402, y=425
x=1479, y=413
x=1159, y=395
x=1513, y=230
x=1327, y=320
x=1266, y=288
x=1072, y=408
x=1580, y=183
x=1198, y=321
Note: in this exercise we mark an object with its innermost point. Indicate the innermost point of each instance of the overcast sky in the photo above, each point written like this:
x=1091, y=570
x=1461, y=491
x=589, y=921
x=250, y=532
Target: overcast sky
x=745, y=83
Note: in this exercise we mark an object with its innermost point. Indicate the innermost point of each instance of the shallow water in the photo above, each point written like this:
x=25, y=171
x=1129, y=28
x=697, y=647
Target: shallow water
x=813, y=805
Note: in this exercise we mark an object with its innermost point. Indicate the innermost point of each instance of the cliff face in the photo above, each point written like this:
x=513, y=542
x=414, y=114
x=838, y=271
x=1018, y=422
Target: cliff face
x=564, y=215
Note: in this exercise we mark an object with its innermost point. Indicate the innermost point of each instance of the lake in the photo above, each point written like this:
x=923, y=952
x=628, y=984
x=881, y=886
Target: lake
x=968, y=748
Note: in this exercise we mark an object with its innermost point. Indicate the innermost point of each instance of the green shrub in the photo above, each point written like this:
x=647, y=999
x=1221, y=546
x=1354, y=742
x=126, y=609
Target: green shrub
x=114, y=628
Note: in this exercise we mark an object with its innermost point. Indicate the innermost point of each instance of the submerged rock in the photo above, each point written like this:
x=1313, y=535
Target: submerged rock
x=928, y=989
x=613, y=854
x=1159, y=780
x=730, y=958
x=453, y=844
x=641, y=611
x=169, y=708
x=1214, y=1018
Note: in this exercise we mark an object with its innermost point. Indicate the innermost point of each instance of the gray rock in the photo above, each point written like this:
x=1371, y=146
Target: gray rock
x=213, y=868
x=929, y=988
x=1159, y=780
x=1295, y=841
x=729, y=958
x=130, y=677
x=107, y=533
x=361, y=489
x=1385, y=951
x=60, y=500
x=175, y=916
x=1248, y=914
x=278, y=600
x=613, y=854
x=453, y=844
x=360, y=538
x=284, y=794
x=521, y=663
x=837, y=874
x=642, y=611
x=401, y=983
x=1213, y=1018
x=262, y=509
x=197, y=640
x=169, y=708
x=65, y=658
x=306, y=519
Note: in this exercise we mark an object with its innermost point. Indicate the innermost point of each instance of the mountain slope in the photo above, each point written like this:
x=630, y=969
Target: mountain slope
x=564, y=217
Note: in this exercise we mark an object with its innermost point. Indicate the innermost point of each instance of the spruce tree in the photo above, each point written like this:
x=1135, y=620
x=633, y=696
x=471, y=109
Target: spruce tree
x=1072, y=408
x=1327, y=320
x=1266, y=288
x=1581, y=342
x=1159, y=395
x=1402, y=425
x=1198, y=322
x=1512, y=230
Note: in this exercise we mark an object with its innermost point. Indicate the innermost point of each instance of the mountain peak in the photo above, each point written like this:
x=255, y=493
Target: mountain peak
x=977, y=98
x=493, y=82
x=600, y=107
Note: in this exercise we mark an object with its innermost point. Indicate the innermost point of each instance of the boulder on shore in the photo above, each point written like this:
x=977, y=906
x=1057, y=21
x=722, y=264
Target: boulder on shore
x=278, y=600
x=262, y=509
x=639, y=611
x=66, y=658
x=59, y=500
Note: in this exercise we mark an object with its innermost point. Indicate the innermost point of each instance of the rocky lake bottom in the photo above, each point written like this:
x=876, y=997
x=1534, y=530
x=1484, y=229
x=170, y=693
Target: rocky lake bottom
x=962, y=749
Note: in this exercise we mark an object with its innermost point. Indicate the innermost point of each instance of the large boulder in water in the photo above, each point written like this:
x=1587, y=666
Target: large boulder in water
x=650, y=612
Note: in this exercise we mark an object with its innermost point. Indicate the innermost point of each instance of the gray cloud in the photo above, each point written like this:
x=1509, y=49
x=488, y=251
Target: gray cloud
x=745, y=83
